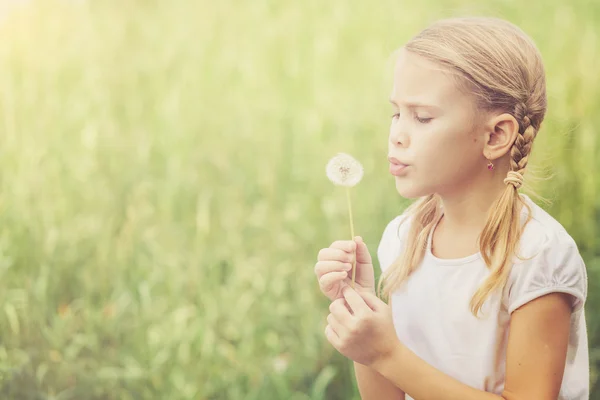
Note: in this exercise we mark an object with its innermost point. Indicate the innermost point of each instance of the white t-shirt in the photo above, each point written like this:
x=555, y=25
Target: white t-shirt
x=432, y=316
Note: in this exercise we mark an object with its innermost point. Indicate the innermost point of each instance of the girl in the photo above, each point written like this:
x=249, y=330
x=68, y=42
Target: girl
x=487, y=289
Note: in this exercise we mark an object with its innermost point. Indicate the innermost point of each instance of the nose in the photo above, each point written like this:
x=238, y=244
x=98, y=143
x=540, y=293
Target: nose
x=399, y=134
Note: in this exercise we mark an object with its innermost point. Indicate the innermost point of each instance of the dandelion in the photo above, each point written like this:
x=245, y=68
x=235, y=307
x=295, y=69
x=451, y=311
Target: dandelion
x=344, y=170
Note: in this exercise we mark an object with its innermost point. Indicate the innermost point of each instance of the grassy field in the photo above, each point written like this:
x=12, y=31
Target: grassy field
x=163, y=194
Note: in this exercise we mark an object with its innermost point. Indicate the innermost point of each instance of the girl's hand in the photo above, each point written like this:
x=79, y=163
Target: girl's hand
x=334, y=268
x=361, y=328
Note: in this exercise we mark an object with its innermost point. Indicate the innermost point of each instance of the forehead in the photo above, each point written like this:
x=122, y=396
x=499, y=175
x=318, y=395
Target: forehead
x=416, y=78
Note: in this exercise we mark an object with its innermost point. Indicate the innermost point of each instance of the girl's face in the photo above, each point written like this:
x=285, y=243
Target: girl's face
x=433, y=130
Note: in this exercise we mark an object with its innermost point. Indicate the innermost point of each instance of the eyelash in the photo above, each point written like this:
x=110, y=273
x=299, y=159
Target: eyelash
x=421, y=120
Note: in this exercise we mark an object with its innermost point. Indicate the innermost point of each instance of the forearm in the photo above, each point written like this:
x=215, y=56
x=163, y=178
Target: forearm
x=373, y=386
x=414, y=376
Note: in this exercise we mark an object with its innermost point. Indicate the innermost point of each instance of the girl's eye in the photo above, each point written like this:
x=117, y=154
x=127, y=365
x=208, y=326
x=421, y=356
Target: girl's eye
x=421, y=120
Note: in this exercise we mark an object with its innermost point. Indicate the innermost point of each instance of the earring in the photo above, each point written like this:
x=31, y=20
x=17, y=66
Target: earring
x=490, y=165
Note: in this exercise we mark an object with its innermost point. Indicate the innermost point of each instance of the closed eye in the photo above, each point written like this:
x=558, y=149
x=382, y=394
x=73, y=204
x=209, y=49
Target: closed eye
x=421, y=120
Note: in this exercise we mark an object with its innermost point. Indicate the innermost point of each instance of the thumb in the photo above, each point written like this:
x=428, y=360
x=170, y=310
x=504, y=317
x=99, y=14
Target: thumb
x=362, y=252
x=372, y=300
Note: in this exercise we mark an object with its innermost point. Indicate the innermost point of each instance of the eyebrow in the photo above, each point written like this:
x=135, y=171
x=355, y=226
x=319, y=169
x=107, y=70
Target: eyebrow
x=415, y=104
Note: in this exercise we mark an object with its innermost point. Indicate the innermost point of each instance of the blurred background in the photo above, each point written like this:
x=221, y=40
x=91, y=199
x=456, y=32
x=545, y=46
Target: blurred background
x=163, y=194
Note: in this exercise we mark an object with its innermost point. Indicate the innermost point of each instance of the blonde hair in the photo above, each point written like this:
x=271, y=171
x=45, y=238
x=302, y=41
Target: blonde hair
x=499, y=65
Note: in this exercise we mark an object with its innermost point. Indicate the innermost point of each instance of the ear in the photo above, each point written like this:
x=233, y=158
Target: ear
x=501, y=133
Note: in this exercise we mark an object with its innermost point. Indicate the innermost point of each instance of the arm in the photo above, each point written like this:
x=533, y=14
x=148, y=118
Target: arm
x=373, y=386
x=536, y=357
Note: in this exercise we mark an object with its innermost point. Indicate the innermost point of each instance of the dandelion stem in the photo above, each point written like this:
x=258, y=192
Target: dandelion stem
x=352, y=233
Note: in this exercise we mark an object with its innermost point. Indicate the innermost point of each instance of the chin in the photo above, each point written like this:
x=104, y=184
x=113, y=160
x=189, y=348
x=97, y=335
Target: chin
x=409, y=191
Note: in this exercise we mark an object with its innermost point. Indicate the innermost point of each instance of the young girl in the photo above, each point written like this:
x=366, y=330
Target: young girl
x=487, y=289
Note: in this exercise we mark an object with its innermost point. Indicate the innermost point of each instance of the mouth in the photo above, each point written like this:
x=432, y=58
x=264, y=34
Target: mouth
x=395, y=161
x=396, y=166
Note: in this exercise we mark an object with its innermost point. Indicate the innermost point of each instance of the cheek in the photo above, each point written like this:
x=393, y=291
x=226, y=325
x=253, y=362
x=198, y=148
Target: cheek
x=439, y=150
x=448, y=155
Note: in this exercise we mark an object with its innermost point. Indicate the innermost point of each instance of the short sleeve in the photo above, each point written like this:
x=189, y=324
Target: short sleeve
x=557, y=266
x=391, y=241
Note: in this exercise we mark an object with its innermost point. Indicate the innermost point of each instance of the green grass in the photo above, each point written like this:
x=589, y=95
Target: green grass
x=163, y=194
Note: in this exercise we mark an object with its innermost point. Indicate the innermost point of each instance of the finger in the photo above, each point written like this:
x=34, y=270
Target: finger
x=337, y=327
x=340, y=312
x=346, y=245
x=356, y=302
x=362, y=252
x=343, y=300
x=327, y=281
x=324, y=267
x=371, y=299
x=332, y=254
x=332, y=337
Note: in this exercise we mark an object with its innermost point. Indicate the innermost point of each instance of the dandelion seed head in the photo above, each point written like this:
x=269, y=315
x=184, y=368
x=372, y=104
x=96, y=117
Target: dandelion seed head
x=344, y=170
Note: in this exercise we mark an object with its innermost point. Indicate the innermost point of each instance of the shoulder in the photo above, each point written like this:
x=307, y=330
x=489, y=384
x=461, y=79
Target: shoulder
x=543, y=233
x=397, y=227
x=392, y=238
x=549, y=261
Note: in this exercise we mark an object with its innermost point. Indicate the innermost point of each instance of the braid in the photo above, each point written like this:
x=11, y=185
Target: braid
x=521, y=148
x=501, y=236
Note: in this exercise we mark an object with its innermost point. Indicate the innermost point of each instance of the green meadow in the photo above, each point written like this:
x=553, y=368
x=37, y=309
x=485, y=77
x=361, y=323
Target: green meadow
x=163, y=194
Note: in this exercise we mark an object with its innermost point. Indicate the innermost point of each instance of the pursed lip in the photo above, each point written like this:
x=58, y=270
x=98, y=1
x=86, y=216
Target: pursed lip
x=395, y=161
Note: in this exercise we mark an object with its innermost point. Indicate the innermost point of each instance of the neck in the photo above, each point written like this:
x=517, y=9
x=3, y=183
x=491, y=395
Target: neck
x=466, y=209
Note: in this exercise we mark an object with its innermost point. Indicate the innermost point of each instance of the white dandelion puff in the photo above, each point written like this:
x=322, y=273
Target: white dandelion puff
x=344, y=170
